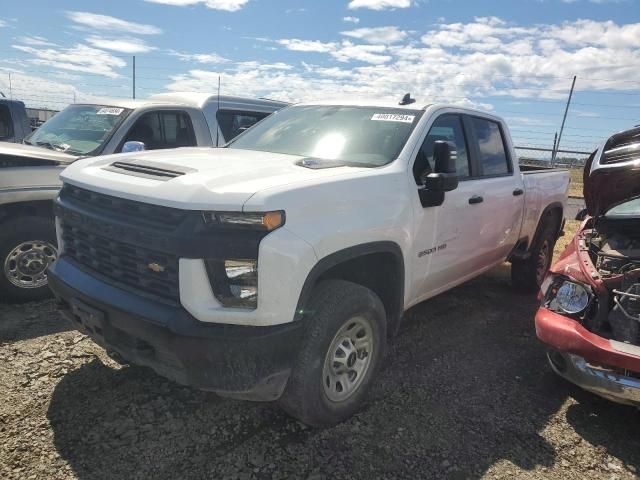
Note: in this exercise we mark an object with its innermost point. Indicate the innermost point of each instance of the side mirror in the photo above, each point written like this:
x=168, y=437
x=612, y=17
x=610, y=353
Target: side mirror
x=582, y=214
x=133, y=146
x=444, y=179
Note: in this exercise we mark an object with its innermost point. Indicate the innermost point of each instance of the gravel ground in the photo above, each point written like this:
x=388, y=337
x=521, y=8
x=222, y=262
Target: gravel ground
x=465, y=393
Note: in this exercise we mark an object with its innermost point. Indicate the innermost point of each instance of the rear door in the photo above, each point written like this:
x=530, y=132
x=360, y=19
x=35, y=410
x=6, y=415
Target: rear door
x=499, y=189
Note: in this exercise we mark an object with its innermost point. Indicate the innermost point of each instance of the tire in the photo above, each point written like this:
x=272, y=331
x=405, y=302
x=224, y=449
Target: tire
x=27, y=247
x=528, y=275
x=339, y=309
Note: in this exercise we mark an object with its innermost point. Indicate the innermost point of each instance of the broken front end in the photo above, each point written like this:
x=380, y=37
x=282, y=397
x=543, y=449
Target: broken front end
x=590, y=312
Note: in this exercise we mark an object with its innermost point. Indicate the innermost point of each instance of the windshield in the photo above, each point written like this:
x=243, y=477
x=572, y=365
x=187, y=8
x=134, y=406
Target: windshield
x=79, y=129
x=359, y=136
x=626, y=209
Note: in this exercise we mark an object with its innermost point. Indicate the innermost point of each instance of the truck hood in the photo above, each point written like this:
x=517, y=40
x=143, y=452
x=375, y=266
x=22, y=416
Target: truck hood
x=612, y=174
x=27, y=153
x=196, y=178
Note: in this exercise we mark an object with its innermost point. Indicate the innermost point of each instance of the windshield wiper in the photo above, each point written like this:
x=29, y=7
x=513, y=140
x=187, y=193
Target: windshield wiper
x=51, y=146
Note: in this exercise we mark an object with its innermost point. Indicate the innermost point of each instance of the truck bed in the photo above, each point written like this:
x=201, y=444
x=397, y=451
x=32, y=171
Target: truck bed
x=527, y=169
x=543, y=187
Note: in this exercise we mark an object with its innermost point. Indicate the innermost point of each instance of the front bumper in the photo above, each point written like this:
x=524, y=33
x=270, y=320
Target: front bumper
x=240, y=361
x=588, y=360
x=610, y=384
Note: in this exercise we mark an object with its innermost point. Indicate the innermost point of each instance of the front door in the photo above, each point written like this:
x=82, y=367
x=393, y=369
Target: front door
x=445, y=241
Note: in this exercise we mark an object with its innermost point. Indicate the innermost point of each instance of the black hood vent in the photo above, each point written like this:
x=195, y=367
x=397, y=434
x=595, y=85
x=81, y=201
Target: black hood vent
x=146, y=169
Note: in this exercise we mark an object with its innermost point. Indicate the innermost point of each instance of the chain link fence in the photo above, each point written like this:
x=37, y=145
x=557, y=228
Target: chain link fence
x=539, y=156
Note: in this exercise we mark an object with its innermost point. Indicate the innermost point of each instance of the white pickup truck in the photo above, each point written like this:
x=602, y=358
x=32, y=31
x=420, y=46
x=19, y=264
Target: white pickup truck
x=276, y=267
x=29, y=174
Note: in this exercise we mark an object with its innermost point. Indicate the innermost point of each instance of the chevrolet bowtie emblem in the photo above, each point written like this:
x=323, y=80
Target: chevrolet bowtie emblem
x=155, y=267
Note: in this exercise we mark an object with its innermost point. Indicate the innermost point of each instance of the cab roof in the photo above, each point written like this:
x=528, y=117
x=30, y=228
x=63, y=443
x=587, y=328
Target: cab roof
x=416, y=106
x=186, y=99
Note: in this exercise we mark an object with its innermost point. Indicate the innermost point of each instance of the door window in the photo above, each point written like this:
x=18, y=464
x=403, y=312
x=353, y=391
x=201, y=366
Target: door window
x=158, y=130
x=448, y=128
x=6, y=125
x=493, y=156
x=232, y=123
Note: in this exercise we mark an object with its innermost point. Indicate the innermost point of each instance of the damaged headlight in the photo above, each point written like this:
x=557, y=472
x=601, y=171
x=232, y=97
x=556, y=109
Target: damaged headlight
x=234, y=282
x=572, y=297
x=566, y=296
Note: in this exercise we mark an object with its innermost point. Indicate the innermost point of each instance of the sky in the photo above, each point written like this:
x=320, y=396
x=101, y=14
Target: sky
x=516, y=58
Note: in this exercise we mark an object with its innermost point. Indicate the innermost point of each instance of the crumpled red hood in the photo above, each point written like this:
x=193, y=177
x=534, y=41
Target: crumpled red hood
x=612, y=175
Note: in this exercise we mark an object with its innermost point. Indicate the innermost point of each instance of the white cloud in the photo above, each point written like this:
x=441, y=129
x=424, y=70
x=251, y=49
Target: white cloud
x=212, y=58
x=112, y=24
x=298, y=45
x=344, y=51
x=465, y=63
x=36, y=41
x=379, y=4
x=124, y=45
x=2, y=23
x=364, y=53
x=79, y=58
x=226, y=5
x=351, y=19
x=384, y=35
x=583, y=33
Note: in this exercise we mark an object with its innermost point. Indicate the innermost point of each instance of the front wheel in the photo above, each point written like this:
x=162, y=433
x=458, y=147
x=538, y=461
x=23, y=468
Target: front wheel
x=340, y=355
x=27, y=248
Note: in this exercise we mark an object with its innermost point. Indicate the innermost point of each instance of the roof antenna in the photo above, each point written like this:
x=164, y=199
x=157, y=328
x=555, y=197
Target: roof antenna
x=407, y=100
x=218, y=126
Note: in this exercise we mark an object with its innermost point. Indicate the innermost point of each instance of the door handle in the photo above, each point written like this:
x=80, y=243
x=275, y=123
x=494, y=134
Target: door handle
x=476, y=199
x=517, y=192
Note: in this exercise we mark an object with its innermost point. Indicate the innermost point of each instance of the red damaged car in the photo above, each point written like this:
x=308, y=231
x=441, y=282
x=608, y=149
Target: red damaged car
x=590, y=312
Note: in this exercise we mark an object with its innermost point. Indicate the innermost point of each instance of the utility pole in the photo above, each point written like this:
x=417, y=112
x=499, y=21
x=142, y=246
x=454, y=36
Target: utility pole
x=10, y=89
x=566, y=110
x=134, y=76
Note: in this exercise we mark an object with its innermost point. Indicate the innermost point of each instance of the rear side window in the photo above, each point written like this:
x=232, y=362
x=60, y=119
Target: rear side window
x=158, y=130
x=6, y=125
x=233, y=122
x=493, y=157
x=447, y=128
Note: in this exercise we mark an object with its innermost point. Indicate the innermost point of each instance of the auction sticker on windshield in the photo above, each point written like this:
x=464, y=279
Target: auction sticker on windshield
x=110, y=111
x=393, y=117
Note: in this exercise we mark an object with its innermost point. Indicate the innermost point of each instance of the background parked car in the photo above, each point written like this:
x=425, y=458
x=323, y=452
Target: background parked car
x=14, y=122
x=29, y=178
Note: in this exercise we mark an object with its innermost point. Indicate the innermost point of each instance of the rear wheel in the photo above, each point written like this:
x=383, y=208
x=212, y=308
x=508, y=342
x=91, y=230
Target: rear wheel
x=340, y=355
x=528, y=275
x=27, y=248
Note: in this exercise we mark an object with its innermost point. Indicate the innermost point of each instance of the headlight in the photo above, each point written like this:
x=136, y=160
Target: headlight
x=265, y=221
x=234, y=282
x=572, y=297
